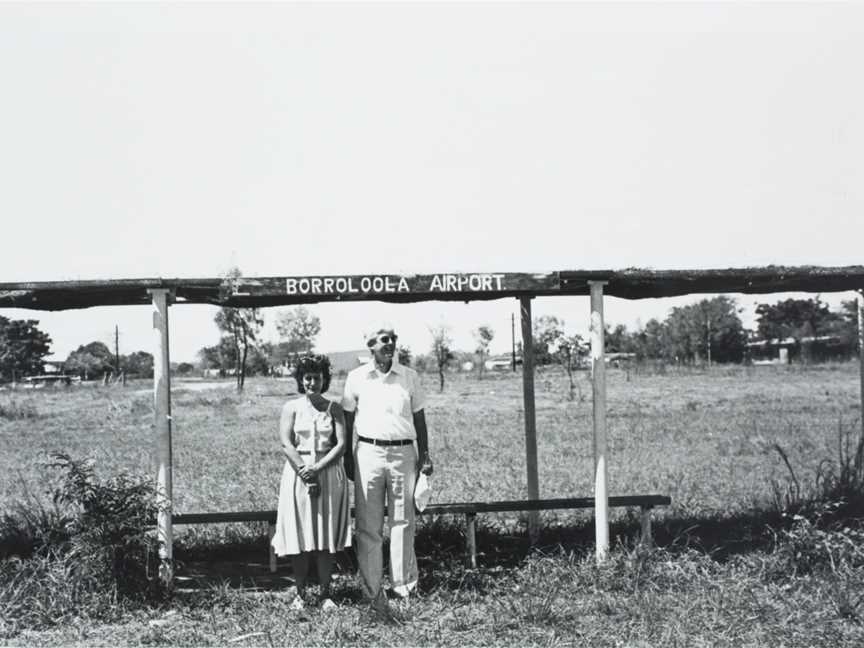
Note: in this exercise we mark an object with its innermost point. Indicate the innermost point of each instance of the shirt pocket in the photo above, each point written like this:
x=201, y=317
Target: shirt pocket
x=399, y=401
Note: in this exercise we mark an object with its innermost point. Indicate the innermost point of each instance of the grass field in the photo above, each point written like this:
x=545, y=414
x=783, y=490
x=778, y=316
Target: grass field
x=704, y=438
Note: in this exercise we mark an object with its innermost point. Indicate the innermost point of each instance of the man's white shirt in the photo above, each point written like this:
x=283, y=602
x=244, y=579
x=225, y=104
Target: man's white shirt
x=385, y=402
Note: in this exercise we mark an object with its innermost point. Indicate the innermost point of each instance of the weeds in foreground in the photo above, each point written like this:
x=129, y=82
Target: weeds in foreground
x=92, y=551
x=838, y=481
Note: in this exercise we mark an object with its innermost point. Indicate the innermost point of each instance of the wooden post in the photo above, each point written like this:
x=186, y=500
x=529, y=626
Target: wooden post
x=271, y=531
x=513, y=341
x=647, y=537
x=471, y=538
x=162, y=400
x=530, y=418
x=598, y=372
x=861, y=354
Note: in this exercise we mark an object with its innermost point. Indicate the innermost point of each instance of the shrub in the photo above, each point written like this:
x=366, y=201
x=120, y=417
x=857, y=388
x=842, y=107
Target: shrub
x=93, y=550
x=111, y=536
x=814, y=545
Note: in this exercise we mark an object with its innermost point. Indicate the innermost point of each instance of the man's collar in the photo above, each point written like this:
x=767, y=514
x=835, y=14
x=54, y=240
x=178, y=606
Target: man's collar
x=395, y=367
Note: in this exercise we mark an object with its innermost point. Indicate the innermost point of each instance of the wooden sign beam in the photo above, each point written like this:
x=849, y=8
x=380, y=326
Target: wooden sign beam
x=244, y=291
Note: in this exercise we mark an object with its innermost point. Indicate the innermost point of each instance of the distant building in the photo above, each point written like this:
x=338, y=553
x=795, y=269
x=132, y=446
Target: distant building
x=52, y=366
x=777, y=351
x=342, y=362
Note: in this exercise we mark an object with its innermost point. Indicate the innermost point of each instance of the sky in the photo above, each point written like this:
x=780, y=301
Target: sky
x=179, y=140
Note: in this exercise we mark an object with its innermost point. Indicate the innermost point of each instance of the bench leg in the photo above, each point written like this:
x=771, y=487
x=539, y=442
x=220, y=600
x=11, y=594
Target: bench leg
x=647, y=539
x=471, y=538
x=271, y=531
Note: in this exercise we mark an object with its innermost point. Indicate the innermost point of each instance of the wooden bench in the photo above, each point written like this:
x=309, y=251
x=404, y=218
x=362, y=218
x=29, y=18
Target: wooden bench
x=469, y=509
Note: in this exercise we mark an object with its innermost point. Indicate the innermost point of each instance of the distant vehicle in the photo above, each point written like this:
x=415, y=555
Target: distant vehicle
x=501, y=363
x=36, y=382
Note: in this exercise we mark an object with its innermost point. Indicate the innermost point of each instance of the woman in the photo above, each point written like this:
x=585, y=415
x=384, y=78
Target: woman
x=312, y=521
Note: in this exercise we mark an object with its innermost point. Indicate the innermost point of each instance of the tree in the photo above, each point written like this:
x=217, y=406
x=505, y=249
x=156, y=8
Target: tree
x=258, y=363
x=221, y=356
x=571, y=350
x=803, y=320
x=849, y=313
x=652, y=341
x=441, y=350
x=90, y=360
x=22, y=348
x=618, y=340
x=709, y=329
x=298, y=328
x=139, y=364
x=242, y=326
x=404, y=354
x=185, y=368
x=547, y=330
x=483, y=335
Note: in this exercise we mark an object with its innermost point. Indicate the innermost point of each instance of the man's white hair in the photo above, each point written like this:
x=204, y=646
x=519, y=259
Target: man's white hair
x=377, y=328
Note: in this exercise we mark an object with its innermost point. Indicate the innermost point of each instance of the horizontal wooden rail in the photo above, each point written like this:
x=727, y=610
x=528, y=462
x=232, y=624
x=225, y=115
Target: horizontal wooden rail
x=468, y=509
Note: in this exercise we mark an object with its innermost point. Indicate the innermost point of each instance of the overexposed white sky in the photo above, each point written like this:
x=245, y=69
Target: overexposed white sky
x=289, y=139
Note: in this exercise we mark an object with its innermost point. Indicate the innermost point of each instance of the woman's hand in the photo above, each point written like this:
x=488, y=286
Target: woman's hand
x=308, y=474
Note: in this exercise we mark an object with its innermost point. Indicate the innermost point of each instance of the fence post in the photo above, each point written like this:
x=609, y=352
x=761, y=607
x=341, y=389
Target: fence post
x=598, y=373
x=162, y=401
x=530, y=417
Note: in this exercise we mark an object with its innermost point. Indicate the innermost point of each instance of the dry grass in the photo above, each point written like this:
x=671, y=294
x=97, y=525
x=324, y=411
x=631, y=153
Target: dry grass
x=706, y=439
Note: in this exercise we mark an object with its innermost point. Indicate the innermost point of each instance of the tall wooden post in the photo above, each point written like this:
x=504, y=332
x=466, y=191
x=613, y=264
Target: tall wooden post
x=530, y=416
x=861, y=353
x=513, y=341
x=598, y=372
x=162, y=401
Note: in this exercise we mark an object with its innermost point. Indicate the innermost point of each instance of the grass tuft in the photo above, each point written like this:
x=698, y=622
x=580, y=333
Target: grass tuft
x=14, y=410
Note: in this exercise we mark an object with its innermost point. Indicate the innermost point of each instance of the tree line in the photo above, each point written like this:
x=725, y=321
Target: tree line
x=708, y=331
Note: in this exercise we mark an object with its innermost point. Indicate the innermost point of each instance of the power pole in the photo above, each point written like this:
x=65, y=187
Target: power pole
x=116, y=350
x=708, y=337
x=513, y=339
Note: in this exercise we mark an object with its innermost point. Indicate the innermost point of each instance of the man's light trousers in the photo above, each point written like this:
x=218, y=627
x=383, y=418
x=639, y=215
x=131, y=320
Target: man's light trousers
x=385, y=473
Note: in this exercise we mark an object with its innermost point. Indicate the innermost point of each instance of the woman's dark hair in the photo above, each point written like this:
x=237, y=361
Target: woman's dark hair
x=313, y=364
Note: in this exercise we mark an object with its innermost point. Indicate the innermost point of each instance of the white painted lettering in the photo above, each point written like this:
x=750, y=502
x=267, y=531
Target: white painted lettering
x=498, y=278
x=291, y=286
x=351, y=287
x=403, y=285
x=475, y=282
x=303, y=284
x=366, y=284
x=341, y=285
x=389, y=286
x=452, y=283
x=487, y=282
x=316, y=284
x=377, y=284
x=436, y=283
x=328, y=284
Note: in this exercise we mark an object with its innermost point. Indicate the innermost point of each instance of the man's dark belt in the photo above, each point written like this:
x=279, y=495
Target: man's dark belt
x=385, y=442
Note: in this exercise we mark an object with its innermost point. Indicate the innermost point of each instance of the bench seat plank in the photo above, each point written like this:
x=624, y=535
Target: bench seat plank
x=645, y=501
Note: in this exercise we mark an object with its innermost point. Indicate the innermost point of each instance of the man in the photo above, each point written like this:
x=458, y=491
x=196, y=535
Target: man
x=384, y=402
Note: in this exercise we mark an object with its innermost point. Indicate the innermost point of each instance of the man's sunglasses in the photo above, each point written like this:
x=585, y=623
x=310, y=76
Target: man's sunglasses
x=384, y=339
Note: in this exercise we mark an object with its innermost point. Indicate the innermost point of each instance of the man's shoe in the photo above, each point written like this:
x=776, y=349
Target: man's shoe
x=380, y=604
x=327, y=605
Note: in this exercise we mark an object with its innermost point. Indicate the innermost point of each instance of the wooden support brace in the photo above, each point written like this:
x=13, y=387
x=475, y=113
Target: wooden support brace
x=271, y=531
x=471, y=538
x=647, y=539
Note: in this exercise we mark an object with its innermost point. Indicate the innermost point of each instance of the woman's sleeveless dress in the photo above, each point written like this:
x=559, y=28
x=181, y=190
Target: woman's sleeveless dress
x=304, y=522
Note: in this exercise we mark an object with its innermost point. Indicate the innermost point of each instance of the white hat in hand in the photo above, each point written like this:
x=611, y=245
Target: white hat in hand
x=422, y=492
